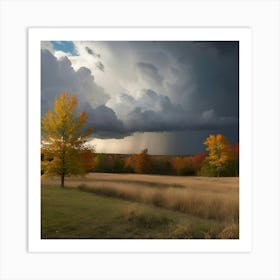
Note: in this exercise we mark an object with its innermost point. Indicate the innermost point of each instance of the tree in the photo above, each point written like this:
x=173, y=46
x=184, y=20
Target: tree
x=232, y=166
x=197, y=161
x=118, y=164
x=63, y=138
x=139, y=163
x=103, y=163
x=218, y=148
x=182, y=165
x=86, y=158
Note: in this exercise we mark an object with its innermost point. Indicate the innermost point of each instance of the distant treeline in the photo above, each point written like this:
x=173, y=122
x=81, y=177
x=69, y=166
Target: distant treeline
x=221, y=159
x=143, y=163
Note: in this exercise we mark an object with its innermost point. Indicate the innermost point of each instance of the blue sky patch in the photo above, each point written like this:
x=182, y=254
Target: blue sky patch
x=65, y=46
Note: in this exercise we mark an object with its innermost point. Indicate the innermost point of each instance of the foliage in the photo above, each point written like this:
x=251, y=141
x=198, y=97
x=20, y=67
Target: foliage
x=232, y=165
x=193, y=165
x=139, y=163
x=218, y=152
x=118, y=164
x=86, y=155
x=103, y=163
x=197, y=161
x=161, y=165
x=182, y=166
x=63, y=139
x=207, y=169
x=229, y=168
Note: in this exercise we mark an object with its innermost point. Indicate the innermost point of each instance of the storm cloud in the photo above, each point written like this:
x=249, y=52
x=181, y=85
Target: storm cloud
x=57, y=75
x=148, y=86
x=149, y=72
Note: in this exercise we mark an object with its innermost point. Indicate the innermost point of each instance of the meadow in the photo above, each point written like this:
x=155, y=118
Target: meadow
x=104, y=205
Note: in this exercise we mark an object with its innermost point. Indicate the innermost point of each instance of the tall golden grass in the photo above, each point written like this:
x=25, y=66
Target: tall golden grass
x=208, y=203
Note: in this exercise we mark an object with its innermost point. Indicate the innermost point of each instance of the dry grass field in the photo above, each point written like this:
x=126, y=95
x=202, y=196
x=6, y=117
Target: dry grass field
x=213, y=200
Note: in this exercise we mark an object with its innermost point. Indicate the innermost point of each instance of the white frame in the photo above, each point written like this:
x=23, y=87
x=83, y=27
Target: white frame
x=243, y=35
x=262, y=16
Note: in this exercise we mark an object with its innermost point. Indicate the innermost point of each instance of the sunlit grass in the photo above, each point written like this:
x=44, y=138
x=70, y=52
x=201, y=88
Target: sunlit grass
x=222, y=205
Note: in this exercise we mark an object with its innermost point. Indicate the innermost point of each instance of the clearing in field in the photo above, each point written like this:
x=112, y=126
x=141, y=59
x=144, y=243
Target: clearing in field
x=102, y=205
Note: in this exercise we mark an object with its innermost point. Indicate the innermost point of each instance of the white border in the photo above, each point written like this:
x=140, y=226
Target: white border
x=262, y=16
x=243, y=35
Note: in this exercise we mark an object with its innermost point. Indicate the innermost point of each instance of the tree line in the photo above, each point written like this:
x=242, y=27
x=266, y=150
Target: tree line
x=143, y=163
x=65, y=152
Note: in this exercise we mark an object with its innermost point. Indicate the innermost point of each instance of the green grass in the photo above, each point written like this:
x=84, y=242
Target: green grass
x=71, y=213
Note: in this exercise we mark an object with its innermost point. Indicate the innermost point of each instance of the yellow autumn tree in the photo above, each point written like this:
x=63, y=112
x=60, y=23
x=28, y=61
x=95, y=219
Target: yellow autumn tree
x=63, y=138
x=218, y=151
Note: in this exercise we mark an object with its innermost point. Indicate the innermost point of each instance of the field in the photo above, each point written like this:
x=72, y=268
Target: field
x=102, y=205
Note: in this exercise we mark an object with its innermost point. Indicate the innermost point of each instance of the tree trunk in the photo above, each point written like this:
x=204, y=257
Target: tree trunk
x=62, y=180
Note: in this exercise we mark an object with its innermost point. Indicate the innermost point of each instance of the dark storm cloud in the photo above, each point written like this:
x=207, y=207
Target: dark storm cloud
x=172, y=120
x=57, y=75
x=178, y=86
x=154, y=112
x=104, y=119
x=216, y=69
x=225, y=47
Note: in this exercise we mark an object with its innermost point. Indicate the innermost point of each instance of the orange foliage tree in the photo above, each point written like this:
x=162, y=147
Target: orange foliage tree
x=139, y=163
x=182, y=165
x=197, y=161
x=63, y=139
x=86, y=157
x=232, y=167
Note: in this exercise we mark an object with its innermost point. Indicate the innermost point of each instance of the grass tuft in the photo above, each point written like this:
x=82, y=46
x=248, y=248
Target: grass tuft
x=230, y=232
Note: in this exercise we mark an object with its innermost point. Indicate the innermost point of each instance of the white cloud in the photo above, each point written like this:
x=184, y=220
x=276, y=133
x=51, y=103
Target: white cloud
x=129, y=67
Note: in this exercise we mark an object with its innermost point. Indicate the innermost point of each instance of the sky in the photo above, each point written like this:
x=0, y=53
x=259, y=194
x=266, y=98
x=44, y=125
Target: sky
x=166, y=96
